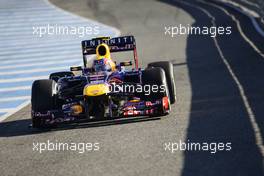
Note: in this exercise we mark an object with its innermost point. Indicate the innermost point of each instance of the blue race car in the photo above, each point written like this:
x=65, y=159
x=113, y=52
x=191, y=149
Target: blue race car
x=104, y=90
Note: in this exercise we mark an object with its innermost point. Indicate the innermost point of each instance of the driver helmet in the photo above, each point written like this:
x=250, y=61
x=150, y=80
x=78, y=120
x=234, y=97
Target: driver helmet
x=103, y=61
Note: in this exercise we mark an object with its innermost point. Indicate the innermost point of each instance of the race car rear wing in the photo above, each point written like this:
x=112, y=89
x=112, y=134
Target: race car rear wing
x=117, y=44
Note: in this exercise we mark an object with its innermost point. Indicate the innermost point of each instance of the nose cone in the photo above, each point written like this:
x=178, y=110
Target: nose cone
x=96, y=90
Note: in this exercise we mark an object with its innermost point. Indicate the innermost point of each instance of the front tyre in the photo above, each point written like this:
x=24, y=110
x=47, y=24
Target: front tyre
x=42, y=99
x=169, y=72
x=155, y=77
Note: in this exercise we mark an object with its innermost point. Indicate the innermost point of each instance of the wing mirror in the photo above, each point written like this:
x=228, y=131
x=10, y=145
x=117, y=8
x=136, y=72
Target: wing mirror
x=126, y=63
x=76, y=68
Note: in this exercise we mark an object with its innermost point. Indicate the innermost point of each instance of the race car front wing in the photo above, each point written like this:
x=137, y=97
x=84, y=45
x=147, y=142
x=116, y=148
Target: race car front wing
x=133, y=108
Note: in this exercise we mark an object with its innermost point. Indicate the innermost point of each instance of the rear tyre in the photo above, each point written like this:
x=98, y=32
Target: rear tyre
x=42, y=99
x=168, y=68
x=57, y=75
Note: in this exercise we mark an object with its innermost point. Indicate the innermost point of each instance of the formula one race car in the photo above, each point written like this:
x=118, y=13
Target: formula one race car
x=105, y=90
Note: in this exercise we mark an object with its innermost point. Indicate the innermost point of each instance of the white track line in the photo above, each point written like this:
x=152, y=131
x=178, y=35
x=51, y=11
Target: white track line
x=240, y=29
x=36, y=50
x=10, y=89
x=251, y=3
x=36, y=54
x=244, y=10
x=251, y=15
x=22, y=79
x=39, y=60
x=33, y=70
x=36, y=46
x=251, y=115
x=4, y=110
x=39, y=64
x=15, y=43
x=3, y=117
x=257, y=27
x=15, y=99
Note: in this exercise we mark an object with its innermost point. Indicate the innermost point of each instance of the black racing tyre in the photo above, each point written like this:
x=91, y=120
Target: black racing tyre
x=168, y=68
x=57, y=75
x=42, y=99
x=154, y=77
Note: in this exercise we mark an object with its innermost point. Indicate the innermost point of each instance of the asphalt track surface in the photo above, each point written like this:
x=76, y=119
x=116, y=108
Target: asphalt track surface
x=220, y=99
